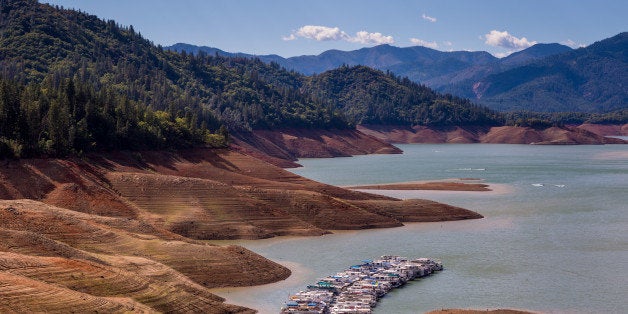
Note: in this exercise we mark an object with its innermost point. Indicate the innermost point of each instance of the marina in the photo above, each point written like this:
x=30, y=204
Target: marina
x=358, y=288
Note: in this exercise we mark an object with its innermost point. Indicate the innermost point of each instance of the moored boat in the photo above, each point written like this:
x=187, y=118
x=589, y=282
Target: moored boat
x=358, y=288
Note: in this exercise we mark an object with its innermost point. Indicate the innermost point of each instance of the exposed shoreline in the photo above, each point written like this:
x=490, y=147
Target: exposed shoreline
x=440, y=185
x=157, y=207
x=147, y=213
x=495, y=189
x=283, y=147
x=298, y=274
x=567, y=135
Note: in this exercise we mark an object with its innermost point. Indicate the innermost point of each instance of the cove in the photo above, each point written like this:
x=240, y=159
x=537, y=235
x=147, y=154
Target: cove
x=554, y=238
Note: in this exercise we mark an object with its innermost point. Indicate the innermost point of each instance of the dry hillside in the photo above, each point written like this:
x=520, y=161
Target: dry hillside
x=586, y=134
x=123, y=231
x=284, y=147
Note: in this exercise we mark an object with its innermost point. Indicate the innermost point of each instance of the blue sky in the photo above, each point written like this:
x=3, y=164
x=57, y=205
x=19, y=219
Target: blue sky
x=297, y=27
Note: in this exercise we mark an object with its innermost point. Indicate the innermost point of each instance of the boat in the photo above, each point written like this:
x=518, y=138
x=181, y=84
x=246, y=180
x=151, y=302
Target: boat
x=358, y=288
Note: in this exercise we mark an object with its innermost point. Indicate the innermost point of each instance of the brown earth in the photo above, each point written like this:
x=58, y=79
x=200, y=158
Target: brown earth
x=438, y=186
x=55, y=259
x=497, y=311
x=122, y=231
x=283, y=147
x=606, y=130
x=493, y=135
x=417, y=210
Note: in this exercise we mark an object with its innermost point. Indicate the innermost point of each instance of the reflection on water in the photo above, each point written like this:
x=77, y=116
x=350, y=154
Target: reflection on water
x=560, y=247
x=617, y=155
x=251, y=297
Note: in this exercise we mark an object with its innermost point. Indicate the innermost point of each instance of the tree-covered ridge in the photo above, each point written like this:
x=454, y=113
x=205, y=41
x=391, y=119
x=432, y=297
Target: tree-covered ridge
x=104, y=86
x=73, y=83
x=368, y=96
x=590, y=79
x=70, y=117
x=547, y=119
x=40, y=43
x=38, y=40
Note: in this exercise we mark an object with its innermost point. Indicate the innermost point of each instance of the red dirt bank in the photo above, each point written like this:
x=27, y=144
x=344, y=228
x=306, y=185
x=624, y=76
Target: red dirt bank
x=120, y=232
x=435, y=186
x=284, y=147
x=585, y=134
x=606, y=130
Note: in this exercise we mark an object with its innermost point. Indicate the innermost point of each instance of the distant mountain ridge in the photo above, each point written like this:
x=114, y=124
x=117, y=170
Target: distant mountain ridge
x=537, y=51
x=590, y=79
x=424, y=65
x=71, y=82
x=543, y=78
x=211, y=51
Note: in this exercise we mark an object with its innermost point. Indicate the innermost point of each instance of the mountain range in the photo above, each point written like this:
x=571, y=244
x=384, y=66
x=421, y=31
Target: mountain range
x=544, y=77
x=420, y=64
x=71, y=82
x=590, y=79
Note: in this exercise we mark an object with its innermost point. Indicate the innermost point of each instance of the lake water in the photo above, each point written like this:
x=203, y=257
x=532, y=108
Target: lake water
x=555, y=236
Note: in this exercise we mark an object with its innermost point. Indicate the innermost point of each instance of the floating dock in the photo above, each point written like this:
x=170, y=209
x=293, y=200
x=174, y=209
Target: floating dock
x=358, y=288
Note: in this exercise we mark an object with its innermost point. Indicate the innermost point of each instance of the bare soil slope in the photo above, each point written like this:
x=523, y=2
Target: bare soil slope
x=55, y=259
x=284, y=147
x=606, y=130
x=493, y=135
x=436, y=186
x=122, y=231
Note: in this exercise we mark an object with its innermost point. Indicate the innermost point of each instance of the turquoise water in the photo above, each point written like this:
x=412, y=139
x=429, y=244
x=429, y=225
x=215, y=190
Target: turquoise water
x=555, y=236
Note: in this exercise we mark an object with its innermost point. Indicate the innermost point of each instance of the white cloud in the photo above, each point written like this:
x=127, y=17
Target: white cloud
x=503, y=54
x=289, y=38
x=424, y=43
x=505, y=40
x=428, y=18
x=321, y=33
x=448, y=43
x=325, y=33
x=365, y=37
x=572, y=44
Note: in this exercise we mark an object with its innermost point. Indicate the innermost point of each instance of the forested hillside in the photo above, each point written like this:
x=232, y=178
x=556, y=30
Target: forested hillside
x=591, y=79
x=368, y=96
x=430, y=67
x=72, y=82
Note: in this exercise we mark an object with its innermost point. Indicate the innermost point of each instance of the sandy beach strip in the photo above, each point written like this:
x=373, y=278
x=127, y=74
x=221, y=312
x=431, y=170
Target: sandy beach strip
x=463, y=184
